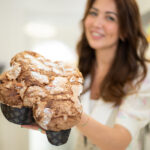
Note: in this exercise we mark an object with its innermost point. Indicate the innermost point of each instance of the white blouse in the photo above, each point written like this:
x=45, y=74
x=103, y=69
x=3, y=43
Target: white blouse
x=133, y=113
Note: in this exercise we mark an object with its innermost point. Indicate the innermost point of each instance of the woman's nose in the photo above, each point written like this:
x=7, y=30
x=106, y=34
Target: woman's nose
x=98, y=22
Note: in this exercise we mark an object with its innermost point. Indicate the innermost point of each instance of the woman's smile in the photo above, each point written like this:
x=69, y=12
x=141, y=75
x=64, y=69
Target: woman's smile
x=97, y=35
x=101, y=25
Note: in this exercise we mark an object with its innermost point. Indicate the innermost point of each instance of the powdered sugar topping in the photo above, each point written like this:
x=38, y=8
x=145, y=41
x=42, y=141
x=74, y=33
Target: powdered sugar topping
x=39, y=77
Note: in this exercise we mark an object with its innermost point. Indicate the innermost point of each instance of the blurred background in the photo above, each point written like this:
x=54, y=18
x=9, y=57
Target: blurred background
x=52, y=28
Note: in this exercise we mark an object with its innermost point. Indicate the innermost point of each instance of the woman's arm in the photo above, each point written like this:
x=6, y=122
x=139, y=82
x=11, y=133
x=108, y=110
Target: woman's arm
x=106, y=138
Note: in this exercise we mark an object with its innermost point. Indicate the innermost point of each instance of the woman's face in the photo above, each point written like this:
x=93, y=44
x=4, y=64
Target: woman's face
x=102, y=25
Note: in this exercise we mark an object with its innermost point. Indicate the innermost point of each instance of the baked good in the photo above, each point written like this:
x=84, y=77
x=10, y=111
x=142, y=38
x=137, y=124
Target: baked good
x=48, y=91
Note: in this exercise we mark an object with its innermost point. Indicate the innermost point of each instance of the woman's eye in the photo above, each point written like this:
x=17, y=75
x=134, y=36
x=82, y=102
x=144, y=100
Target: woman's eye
x=110, y=18
x=93, y=13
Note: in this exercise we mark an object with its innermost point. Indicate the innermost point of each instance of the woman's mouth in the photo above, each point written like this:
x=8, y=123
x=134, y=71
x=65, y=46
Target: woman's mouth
x=97, y=35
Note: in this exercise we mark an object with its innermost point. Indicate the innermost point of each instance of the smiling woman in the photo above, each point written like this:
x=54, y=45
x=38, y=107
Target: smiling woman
x=112, y=60
x=102, y=26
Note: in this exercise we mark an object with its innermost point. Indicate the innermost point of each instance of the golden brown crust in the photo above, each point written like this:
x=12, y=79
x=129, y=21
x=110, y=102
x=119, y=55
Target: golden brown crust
x=52, y=89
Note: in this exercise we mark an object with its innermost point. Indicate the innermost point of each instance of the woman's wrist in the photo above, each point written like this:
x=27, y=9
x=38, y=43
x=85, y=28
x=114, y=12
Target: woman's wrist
x=84, y=120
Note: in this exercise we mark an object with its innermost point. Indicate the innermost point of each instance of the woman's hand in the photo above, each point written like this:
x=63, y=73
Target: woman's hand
x=34, y=127
x=118, y=137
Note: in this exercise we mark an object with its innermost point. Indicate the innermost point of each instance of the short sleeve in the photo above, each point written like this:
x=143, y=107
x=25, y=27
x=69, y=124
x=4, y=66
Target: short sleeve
x=134, y=112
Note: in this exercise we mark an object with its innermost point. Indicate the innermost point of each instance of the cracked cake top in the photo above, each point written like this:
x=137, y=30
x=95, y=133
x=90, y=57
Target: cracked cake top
x=51, y=89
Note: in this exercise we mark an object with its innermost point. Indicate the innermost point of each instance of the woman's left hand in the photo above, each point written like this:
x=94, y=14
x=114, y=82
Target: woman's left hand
x=34, y=127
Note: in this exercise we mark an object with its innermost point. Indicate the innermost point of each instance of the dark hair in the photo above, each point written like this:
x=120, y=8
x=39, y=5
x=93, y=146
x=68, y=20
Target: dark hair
x=130, y=54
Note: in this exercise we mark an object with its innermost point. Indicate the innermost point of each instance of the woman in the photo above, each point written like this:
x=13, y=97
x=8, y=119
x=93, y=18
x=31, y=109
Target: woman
x=116, y=97
x=111, y=59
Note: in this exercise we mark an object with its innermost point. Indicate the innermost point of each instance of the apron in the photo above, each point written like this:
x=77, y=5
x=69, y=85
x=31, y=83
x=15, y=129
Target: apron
x=82, y=143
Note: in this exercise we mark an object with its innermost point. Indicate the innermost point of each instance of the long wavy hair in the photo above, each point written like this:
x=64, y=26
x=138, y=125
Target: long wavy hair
x=130, y=54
